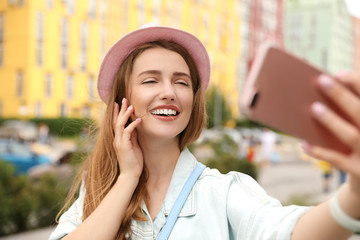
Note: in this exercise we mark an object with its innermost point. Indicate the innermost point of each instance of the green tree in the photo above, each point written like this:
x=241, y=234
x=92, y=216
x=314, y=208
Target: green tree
x=16, y=200
x=217, y=108
x=27, y=203
x=50, y=194
x=226, y=157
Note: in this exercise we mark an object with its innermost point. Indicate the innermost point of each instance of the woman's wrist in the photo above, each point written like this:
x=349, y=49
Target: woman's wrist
x=349, y=201
x=345, y=209
x=128, y=179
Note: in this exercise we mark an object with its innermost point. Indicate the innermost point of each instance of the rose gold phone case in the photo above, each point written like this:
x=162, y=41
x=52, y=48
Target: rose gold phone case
x=278, y=93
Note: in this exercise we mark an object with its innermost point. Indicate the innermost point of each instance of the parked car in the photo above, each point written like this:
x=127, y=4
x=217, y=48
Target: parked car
x=20, y=130
x=20, y=155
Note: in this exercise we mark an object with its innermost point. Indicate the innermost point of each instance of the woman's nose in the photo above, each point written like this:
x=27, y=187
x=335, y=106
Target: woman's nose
x=168, y=91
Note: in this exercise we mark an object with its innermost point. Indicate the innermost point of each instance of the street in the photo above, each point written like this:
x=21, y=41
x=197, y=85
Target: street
x=295, y=175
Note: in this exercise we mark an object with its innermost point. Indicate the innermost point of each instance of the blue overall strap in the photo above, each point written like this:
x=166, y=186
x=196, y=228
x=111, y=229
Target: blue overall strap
x=179, y=203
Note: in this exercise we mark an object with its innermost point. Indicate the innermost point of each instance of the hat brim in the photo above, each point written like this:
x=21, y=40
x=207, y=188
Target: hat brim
x=123, y=47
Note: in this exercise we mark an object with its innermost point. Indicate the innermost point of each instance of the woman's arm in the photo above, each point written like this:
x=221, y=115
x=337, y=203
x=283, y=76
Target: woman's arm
x=104, y=222
x=319, y=223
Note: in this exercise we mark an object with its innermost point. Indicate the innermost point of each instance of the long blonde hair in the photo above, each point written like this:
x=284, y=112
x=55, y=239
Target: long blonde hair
x=101, y=168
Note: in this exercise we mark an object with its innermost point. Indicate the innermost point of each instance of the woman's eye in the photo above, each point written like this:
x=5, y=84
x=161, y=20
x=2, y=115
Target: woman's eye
x=183, y=83
x=149, y=81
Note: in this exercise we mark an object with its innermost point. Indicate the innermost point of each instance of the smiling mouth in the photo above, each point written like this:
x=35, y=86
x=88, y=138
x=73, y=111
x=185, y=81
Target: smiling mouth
x=165, y=112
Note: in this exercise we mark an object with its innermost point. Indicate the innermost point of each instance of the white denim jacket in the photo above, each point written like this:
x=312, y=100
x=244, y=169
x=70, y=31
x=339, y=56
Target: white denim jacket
x=231, y=206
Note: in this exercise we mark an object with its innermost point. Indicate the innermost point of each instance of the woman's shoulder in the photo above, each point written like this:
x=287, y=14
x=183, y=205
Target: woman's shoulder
x=233, y=183
x=213, y=174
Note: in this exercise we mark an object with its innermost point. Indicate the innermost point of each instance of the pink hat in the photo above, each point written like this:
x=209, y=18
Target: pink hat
x=123, y=47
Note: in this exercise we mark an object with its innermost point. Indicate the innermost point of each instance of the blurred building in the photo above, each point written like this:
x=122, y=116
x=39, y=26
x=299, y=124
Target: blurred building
x=321, y=31
x=51, y=50
x=49, y=58
x=262, y=20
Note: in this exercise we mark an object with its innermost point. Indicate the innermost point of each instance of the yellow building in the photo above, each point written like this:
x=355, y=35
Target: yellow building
x=51, y=50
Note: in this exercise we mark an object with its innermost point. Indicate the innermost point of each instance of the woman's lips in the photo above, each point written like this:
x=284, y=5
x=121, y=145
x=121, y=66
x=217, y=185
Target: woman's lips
x=165, y=112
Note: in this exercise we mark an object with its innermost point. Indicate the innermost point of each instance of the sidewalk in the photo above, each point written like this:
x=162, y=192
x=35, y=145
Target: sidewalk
x=40, y=234
x=293, y=178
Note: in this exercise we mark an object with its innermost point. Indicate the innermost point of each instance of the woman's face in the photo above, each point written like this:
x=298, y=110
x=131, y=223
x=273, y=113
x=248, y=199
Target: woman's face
x=160, y=89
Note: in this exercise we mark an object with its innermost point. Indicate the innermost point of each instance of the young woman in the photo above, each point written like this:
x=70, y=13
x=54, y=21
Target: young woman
x=153, y=82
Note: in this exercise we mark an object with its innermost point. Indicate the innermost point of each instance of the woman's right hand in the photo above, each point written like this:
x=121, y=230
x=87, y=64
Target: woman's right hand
x=128, y=151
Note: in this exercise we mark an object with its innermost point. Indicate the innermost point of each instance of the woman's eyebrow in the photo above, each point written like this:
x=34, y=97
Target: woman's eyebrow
x=180, y=74
x=153, y=72
x=156, y=72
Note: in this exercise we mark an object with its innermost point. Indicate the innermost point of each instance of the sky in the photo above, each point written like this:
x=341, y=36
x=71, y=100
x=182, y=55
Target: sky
x=354, y=7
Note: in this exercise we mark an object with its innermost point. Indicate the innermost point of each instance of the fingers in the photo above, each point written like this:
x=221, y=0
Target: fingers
x=122, y=117
x=342, y=96
x=124, y=104
x=345, y=93
x=130, y=132
x=344, y=130
x=347, y=130
x=117, y=113
x=124, y=134
x=336, y=159
x=351, y=79
x=333, y=157
x=133, y=136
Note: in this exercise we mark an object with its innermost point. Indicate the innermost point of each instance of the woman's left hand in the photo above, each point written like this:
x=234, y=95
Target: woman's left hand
x=348, y=133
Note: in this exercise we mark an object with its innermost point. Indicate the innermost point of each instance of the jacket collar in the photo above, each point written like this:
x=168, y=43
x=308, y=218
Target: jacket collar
x=184, y=166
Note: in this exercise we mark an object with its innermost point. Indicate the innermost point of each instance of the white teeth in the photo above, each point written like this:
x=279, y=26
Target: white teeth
x=164, y=112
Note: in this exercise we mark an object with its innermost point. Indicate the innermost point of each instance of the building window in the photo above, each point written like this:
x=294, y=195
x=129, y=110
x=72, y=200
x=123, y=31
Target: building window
x=324, y=59
x=48, y=85
x=141, y=12
x=70, y=6
x=83, y=47
x=103, y=8
x=62, y=110
x=12, y=2
x=92, y=8
x=70, y=87
x=312, y=31
x=125, y=10
x=39, y=47
x=1, y=54
x=86, y=112
x=63, y=56
x=38, y=109
x=64, y=42
x=39, y=53
x=102, y=40
x=91, y=87
x=49, y=4
x=19, y=83
x=157, y=8
x=2, y=39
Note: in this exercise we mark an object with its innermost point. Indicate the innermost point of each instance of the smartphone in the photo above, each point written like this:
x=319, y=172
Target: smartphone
x=278, y=93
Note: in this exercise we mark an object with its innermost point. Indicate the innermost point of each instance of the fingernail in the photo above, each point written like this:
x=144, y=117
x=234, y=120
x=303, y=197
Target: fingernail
x=326, y=82
x=341, y=74
x=305, y=146
x=122, y=101
x=318, y=108
x=130, y=107
x=138, y=119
